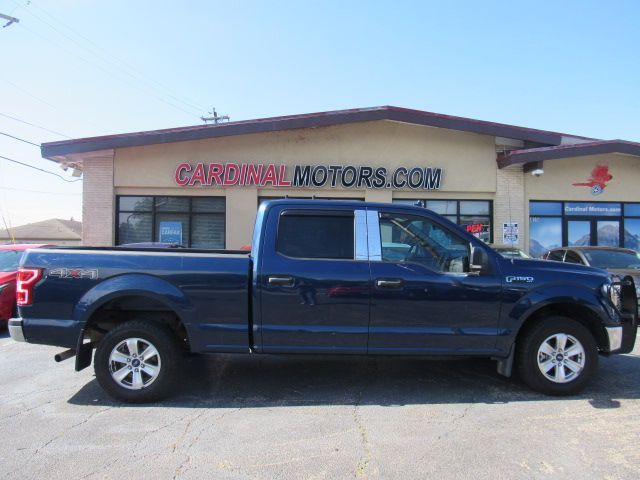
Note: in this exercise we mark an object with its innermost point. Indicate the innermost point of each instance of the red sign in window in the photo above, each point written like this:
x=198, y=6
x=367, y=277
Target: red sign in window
x=474, y=228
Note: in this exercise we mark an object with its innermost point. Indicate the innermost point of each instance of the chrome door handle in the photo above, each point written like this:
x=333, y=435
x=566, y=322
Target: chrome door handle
x=389, y=283
x=281, y=281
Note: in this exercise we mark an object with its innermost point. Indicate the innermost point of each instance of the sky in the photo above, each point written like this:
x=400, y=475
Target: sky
x=95, y=68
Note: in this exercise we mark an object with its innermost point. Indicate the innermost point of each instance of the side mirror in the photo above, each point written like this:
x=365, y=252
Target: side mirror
x=479, y=261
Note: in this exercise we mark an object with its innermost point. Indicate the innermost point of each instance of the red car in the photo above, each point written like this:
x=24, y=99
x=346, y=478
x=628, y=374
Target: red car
x=10, y=256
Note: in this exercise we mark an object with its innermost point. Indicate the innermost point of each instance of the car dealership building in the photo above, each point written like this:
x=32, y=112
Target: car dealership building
x=201, y=186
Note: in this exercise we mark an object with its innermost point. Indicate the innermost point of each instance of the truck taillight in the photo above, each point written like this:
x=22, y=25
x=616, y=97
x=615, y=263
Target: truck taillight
x=27, y=278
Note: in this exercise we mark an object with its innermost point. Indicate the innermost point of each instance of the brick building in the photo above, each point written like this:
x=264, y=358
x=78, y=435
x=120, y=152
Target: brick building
x=201, y=185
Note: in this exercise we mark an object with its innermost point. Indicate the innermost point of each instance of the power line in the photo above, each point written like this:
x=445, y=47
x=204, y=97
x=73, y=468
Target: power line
x=108, y=72
x=40, y=169
x=101, y=67
x=20, y=139
x=98, y=49
x=28, y=93
x=34, y=125
x=39, y=191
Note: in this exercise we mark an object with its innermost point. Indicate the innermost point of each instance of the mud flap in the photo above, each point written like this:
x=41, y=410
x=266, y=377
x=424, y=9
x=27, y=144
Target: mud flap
x=83, y=356
x=505, y=365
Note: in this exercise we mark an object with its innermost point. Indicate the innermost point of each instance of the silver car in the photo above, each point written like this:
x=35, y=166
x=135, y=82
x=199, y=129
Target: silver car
x=623, y=262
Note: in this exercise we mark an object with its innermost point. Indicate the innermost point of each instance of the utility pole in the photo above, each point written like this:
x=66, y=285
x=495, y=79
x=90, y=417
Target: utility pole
x=215, y=118
x=9, y=20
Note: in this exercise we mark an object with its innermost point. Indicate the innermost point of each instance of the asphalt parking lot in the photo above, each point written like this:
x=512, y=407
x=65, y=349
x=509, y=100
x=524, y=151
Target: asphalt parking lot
x=302, y=417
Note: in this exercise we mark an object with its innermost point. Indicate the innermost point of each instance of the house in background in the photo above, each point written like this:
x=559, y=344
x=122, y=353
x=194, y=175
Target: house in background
x=54, y=231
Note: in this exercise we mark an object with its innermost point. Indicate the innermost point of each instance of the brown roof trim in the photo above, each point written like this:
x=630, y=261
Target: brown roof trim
x=516, y=157
x=321, y=119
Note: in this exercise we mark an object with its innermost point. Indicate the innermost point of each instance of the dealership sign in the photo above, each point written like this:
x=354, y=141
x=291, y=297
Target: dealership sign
x=306, y=176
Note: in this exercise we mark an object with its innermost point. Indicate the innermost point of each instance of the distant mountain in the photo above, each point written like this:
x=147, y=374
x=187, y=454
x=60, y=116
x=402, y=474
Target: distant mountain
x=609, y=235
x=631, y=240
x=536, y=249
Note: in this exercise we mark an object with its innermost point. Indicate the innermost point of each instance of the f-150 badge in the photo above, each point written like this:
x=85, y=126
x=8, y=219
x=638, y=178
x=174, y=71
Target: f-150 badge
x=78, y=273
x=518, y=279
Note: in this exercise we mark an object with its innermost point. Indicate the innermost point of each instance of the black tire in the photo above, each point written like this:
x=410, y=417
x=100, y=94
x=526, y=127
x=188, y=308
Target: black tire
x=169, y=359
x=528, y=360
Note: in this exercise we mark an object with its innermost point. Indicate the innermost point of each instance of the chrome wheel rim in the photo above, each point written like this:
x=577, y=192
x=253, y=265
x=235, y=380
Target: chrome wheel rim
x=134, y=363
x=561, y=358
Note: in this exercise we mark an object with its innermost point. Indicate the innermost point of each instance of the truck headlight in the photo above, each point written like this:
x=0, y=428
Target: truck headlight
x=613, y=291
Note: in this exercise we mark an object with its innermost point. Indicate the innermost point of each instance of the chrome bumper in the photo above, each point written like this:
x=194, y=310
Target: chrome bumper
x=15, y=329
x=615, y=337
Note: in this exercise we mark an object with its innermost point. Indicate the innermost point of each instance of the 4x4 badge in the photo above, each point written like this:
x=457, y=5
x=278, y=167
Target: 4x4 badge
x=79, y=273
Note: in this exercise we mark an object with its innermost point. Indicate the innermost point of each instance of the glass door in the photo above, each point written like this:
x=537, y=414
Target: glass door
x=608, y=233
x=592, y=231
x=578, y=232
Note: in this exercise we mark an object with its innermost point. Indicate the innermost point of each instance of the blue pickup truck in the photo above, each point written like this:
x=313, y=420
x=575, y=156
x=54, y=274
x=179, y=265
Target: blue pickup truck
x=323, y=277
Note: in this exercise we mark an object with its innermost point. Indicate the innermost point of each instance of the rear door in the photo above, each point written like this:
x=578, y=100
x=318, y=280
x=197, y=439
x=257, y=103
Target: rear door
x=314, y=281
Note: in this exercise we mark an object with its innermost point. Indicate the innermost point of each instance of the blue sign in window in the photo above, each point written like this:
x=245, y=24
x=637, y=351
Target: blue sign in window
x=171, y=232
x=593, y=209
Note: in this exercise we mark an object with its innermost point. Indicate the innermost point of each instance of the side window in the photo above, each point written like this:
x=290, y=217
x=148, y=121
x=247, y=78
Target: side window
x=573, y=257
x=556, y=255
x=410, y=238
x=316, y=235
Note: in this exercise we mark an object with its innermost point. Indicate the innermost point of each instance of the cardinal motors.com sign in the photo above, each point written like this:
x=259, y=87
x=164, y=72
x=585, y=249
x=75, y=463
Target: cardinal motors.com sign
x=306, y=176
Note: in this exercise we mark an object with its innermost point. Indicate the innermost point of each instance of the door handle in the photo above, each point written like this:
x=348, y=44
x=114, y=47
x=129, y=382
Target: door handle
x=389, y=283
x=281, y=281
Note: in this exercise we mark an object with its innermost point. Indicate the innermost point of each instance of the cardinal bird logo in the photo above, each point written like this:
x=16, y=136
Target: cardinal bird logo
x=598, y=180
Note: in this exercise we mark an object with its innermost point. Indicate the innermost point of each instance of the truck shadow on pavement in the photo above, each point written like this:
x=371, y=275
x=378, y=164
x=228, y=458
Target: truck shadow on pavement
x=243, y=381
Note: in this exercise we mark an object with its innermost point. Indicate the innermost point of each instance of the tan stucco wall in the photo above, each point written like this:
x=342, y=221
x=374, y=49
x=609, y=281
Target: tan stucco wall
x=467, y=160
x=464, y=156
x=559, y=176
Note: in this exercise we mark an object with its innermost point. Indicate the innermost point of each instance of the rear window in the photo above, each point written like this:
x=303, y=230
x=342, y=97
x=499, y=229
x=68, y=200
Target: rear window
x=316, y=236
x=556, y=255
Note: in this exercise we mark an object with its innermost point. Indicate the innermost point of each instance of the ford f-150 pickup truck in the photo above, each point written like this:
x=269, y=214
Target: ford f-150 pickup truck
x=323, y=277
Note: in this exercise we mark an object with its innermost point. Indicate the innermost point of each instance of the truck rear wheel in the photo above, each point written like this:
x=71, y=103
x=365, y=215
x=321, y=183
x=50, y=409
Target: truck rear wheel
x=137, y=361
x=557, y=356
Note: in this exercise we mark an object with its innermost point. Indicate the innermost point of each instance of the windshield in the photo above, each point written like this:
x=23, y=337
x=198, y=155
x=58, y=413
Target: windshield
x=612, y=259
x=9, y=260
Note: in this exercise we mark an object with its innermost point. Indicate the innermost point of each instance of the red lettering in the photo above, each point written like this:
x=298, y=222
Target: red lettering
x=281, y=178
x=254, y=173
x=215, y=173
x=228, y=170
x=182, y=168
x=243, y=174
x=198, y=175
x=269, y=175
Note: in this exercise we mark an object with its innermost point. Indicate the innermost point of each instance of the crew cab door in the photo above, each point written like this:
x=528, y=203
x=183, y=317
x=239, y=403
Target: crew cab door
x=314, y=281
x=424, y=297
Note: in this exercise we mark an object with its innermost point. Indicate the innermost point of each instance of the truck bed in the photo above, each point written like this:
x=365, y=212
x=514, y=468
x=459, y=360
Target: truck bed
x=209, y=290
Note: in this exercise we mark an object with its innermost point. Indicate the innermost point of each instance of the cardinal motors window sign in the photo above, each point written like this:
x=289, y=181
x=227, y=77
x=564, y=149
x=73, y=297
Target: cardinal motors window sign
x=305, y=176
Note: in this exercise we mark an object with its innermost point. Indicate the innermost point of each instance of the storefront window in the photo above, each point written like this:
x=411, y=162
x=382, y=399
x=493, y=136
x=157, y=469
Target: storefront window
x=632, y=233
x=197, y=222
x=474, y=216
x=545, y=233
x=610, y=224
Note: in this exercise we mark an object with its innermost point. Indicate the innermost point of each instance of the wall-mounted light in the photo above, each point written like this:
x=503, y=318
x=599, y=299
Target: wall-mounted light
x=537, y=172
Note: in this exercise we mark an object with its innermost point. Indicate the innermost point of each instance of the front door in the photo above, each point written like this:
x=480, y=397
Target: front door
x=315, y=284
x=423, y=298
x=593, y=232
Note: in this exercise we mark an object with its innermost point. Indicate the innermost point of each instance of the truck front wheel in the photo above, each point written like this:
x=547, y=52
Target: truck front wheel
x=137, y=361
x=557, y=356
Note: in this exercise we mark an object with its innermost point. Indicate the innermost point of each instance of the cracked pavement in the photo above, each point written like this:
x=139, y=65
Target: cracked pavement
x=312, y=417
